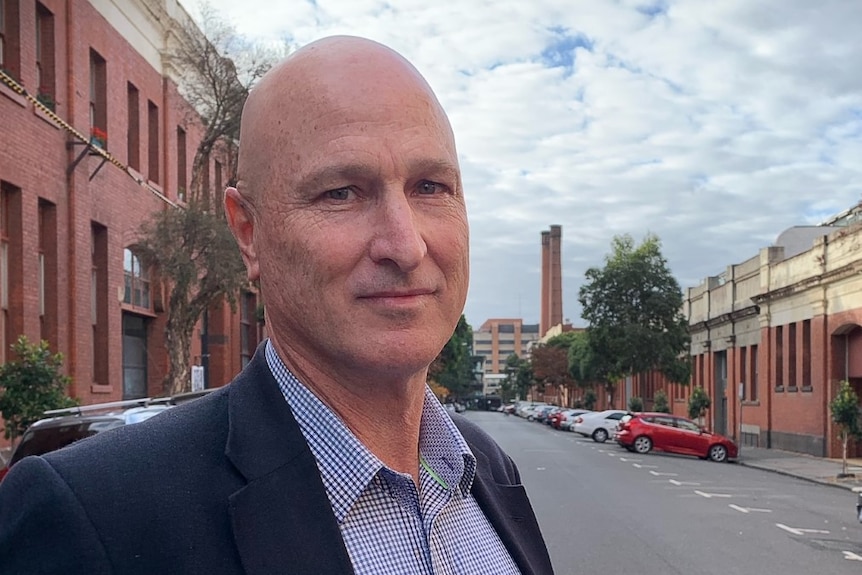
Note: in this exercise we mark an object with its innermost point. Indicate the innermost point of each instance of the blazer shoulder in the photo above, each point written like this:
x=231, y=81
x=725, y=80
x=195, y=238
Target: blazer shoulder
x=502, y=467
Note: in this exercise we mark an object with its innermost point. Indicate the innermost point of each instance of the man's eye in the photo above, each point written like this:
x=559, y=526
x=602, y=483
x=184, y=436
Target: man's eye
x=430, y=188
x=339, y=194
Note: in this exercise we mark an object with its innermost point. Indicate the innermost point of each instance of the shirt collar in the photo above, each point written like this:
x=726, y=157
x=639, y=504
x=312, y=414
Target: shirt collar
x=346, y=466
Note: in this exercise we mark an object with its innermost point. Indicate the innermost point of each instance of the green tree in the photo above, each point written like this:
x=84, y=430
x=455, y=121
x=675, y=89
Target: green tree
x=845, y=414
x=590, y=399
x=698, y=403
x=633, y=307
x=453, y=367
x=660, y=402
x=194, y=251
x=30, y=385
x=520, y=375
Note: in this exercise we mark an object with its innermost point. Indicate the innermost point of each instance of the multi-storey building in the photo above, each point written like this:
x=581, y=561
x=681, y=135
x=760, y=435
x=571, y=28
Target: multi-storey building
x=94, y=137
x=497, y=339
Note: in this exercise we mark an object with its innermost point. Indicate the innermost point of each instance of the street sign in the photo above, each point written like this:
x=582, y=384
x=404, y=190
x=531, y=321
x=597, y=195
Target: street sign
x=197, y=378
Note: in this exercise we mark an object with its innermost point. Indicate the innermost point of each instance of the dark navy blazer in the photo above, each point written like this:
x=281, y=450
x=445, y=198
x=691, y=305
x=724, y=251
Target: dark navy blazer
x=222, y=485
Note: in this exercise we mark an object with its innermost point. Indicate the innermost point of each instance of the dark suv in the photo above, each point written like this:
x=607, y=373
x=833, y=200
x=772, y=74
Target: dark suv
x=65, y=426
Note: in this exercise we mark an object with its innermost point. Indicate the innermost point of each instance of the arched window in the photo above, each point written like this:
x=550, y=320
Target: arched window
x=137, y=281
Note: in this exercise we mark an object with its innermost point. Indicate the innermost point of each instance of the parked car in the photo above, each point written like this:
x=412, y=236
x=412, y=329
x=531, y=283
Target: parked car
x=566, y=419
x=643, y=432
x=63, y=427
x=600, y=425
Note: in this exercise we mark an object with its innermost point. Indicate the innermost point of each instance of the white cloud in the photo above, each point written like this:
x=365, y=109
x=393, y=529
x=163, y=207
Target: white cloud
x=715, y=125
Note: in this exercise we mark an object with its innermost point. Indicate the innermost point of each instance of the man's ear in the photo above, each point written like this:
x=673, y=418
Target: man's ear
x=240, y=219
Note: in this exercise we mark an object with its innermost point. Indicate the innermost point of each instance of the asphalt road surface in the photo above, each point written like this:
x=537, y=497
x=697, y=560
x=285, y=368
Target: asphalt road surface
x=604, y=510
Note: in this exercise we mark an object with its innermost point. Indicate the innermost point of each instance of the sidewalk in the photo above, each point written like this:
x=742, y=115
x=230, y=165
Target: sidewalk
x=816, y=469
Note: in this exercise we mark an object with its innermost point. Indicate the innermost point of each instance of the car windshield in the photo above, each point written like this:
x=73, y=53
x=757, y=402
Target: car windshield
x=50, y=438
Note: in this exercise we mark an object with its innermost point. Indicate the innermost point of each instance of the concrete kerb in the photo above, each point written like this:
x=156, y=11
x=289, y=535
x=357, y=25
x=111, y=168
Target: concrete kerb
x=854, y=486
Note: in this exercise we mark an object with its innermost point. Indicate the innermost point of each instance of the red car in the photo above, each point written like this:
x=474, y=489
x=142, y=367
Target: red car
x=643, y=432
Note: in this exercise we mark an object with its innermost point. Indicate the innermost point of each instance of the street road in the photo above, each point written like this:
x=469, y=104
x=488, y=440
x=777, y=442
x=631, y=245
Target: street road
x=605, y=510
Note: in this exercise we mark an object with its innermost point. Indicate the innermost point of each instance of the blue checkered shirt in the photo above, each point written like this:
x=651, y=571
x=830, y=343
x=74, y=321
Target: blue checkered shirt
x=387, y=525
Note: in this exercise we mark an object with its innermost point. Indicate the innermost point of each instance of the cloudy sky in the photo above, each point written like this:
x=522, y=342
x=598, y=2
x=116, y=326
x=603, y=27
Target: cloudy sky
x=715, y=125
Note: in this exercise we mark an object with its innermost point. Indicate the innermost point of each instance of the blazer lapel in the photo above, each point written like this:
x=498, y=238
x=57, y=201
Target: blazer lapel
x=509, y=511
x=282, y=519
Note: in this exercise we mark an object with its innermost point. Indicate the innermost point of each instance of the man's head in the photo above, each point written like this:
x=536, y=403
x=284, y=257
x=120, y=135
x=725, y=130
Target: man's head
x=349, y=209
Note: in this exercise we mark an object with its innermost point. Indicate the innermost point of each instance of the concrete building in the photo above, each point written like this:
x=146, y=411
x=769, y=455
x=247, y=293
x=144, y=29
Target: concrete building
x=497, y=339
x=552, y=280
x=94, y=137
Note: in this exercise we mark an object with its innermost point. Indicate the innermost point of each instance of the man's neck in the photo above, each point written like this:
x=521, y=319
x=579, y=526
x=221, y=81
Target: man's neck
x=383, y=413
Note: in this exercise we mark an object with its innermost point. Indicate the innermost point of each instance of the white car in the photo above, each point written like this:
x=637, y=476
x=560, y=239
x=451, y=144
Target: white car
x=600, y=425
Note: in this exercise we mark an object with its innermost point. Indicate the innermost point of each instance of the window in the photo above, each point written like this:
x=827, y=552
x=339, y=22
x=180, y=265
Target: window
x=743, y=367
x=11, y=265
x=134, y=132
x=10, y=38
x=98, y=100
x=219, y=189
x=779, y=358
x=687, y=425
x=153, y=141
x=45, y=56
x=181, y=164
x=48, y=271
x=99, y=302
x=4, y=271
x=807, y=375
x=754, y=373
x=206, y=191
x=791, y=356
x=137, y=281
x=247, y=326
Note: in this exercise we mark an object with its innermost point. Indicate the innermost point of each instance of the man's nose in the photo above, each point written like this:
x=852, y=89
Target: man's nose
x=397, y=235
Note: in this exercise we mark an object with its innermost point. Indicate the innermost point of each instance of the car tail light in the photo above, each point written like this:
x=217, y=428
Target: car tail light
x=579, y=420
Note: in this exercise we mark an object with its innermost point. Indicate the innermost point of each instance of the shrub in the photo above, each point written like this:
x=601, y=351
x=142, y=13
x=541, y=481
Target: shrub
x=660, y=403
x=636, y=404
x=698, y=403
x=31, y=384
x=590, y=399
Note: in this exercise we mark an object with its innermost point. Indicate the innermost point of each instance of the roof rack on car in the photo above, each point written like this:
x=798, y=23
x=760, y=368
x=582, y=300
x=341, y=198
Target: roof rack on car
x=80, y=409
x=141, y=402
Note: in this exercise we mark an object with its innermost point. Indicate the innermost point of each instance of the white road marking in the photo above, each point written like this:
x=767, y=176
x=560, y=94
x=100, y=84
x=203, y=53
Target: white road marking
x=639, y=466
x=627, y=459
x=660, y=474
x=540, y=469
x=680, y=483
x=711, y=495
x=749, y=509
x=851, y=556
x=799, y=531
x=612, y=454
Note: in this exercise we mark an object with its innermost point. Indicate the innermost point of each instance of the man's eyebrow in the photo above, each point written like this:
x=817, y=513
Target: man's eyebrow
x=327, y=175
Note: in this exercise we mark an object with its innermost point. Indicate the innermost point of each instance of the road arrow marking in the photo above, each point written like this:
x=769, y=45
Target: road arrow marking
x=660, y=474
x=680, y=483
x=639, y=466
x=798, y=531
x=749, y=509
x=851, y=556
x=711, y=495
x=627, y=460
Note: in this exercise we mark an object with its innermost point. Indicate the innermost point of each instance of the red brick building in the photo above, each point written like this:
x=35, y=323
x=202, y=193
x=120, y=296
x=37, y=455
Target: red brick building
x=68, y=217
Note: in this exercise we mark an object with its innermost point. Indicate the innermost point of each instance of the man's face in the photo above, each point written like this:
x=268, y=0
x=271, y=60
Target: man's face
x=362, y=236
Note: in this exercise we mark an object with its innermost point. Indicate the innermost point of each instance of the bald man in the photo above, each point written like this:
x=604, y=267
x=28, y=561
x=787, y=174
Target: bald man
x=327, y=454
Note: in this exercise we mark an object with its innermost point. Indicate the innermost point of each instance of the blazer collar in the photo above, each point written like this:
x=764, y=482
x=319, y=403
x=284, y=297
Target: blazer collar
x=508, y=510
x=282, y=520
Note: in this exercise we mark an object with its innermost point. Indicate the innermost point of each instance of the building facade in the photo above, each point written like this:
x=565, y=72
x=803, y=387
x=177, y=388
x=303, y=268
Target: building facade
x=773, y=336
x=497, y=339
x=94, y=137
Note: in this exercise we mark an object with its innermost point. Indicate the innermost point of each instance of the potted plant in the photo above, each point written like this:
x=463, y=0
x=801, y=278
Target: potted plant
x=99, y=137
x=46, y=98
